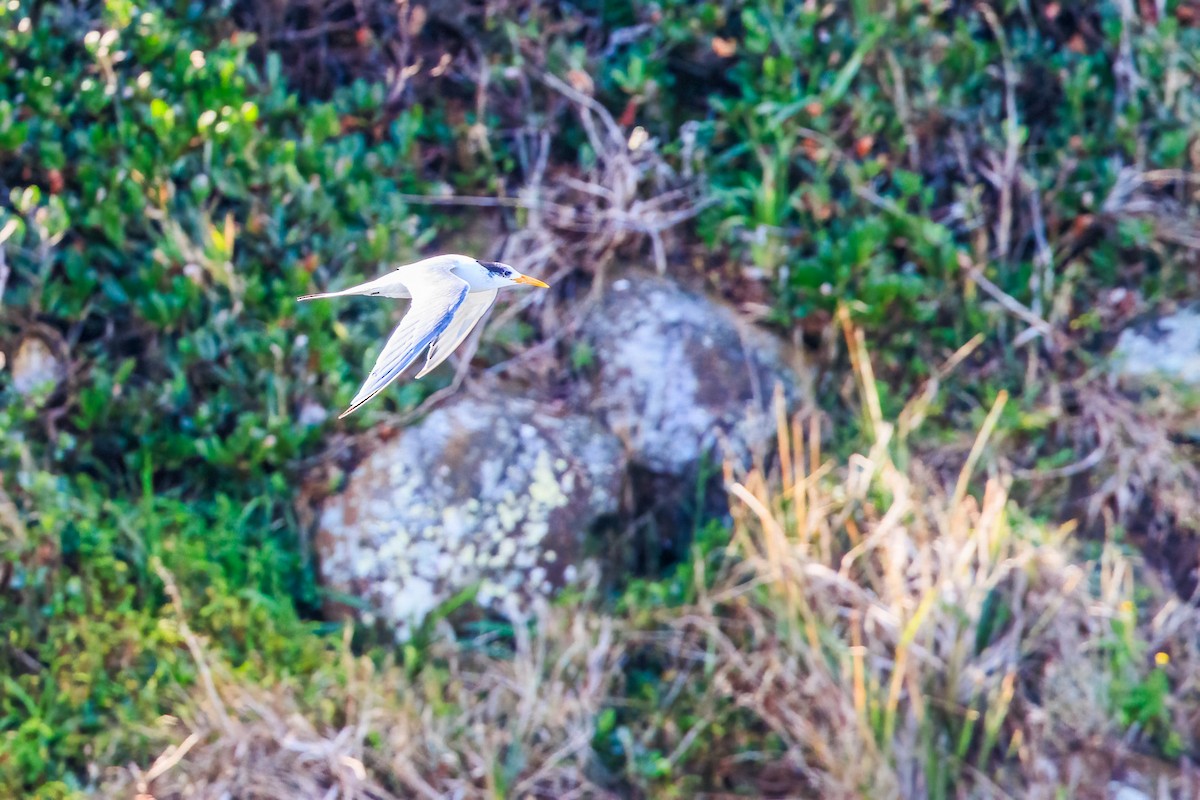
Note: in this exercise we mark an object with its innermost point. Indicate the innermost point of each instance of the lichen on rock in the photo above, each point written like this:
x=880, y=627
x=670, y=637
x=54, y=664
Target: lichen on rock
x=1168, y=347
x=491, y=490
x=679, y=374
x=486, y=490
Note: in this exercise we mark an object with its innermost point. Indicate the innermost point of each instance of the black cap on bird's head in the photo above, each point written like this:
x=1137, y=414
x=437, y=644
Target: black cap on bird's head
x=508, y=273
x=496, y=268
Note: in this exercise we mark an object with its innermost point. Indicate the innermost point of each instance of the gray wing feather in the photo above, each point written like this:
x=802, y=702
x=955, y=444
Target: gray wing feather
x=434, y=306
x=472, y=310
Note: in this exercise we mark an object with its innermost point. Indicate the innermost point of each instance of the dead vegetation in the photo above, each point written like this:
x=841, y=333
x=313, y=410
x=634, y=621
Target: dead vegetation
x=468, y=724
x=887, y=625
x=868, y=631
x=569, y=223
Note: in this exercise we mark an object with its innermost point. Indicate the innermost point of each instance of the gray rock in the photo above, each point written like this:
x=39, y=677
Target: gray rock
x=485, y=489
x=678, y=374
x=1167, y=348
x=36, y=367
x=495, y=491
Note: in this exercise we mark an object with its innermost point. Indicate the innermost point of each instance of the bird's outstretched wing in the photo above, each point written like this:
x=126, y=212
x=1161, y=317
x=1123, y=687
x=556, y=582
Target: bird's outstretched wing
x=471, y=311
x=437, y=296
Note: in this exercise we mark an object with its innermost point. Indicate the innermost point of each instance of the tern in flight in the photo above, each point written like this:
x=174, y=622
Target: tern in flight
x=449, y=294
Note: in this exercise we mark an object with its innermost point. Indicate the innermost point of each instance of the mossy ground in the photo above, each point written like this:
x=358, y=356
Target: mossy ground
x=902, y=617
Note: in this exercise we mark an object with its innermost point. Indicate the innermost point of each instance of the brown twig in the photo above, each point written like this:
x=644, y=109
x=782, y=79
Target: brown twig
x=1090, y=461
x=1016, y=308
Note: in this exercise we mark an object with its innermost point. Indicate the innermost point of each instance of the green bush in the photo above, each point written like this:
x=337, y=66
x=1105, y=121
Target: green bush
x=169, y=201
x=175, y=202
x=168, y=186
x=848, y=147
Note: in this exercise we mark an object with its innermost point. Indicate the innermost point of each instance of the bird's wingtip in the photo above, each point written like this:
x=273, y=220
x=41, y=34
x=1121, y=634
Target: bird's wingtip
x=355, y=405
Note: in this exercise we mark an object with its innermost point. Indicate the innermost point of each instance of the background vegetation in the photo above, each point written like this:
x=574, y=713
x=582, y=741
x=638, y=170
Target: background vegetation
x=897, y=607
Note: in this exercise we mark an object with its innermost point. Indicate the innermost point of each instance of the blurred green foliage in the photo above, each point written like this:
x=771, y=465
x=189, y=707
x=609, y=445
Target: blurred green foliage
x=170, y=200
x=166, y=193
x=843, y=144
x=193, y=199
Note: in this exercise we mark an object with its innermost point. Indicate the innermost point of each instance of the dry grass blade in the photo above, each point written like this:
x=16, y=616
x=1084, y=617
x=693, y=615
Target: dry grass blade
x=217, y=706
x=871, y=633
x=989, y=425
x=909, y=676
x=539, y=702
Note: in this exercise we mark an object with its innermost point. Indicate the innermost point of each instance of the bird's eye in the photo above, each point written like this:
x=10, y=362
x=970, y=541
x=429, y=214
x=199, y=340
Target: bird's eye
x=508, y=273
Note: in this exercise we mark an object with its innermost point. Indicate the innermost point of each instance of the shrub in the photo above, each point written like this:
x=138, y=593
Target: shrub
x=166, y=200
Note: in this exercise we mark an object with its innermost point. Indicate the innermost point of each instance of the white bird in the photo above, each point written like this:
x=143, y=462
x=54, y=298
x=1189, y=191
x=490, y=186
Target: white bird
x=449, y=296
